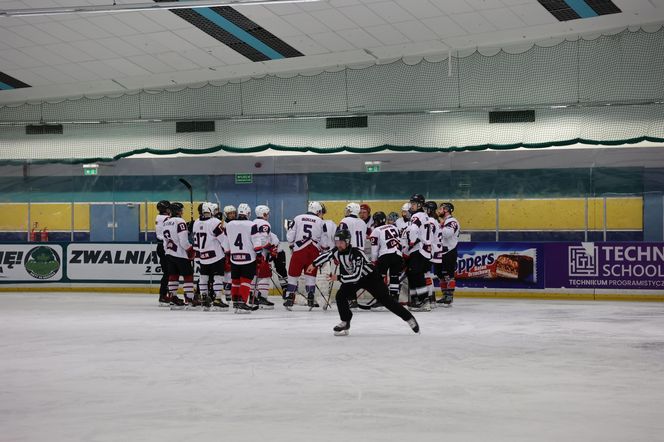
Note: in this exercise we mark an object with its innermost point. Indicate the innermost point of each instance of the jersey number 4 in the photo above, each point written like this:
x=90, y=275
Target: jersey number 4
x=238, y=241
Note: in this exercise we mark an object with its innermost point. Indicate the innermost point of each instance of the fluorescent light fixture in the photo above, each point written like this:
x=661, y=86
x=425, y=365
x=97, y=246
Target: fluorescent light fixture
x=561, y=106
x=439, y=111
x=91, y=166
x=372, y=163
x=94, y=9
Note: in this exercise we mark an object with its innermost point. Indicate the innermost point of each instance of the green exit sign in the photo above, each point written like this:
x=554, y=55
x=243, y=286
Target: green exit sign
x=373, y=167
x=90, y=171
x=244, y=178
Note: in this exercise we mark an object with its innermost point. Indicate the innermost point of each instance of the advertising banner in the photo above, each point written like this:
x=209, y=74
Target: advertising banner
x=112, y=262
x=500, y=265
x=30, y=263
x=605, y=265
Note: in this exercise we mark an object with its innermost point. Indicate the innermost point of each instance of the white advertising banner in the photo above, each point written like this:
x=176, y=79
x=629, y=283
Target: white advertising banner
x=30, y=263
x=113, y=262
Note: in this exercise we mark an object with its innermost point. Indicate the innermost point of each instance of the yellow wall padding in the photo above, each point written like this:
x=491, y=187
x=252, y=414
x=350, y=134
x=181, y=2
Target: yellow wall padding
x=14, y=217
x=542, y=214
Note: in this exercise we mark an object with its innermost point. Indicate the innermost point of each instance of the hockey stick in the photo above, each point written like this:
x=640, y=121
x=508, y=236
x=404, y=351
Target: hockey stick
x=191, y=197
x=327, y=300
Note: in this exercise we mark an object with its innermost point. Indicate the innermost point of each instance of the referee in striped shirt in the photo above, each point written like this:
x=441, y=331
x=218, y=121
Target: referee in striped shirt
x=357, y=272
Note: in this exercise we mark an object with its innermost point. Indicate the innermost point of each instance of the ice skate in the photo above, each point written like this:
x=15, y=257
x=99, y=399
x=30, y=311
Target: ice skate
x=165, y=301
x=243, y=308
x=412, y=322
x=289, y=301
x=194, y=303
x=206, y=303
x=311, y=301
x=219, y=306
x=264, y=303
x=176, y=303
x=342, y=328
x=446, y=300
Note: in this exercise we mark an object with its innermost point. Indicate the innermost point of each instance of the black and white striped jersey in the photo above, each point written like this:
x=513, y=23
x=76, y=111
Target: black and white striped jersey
x=353, y=265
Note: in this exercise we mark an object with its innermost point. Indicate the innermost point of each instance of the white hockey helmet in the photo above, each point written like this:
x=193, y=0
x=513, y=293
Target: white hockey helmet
x=207, y=208
x=405, y=207
x=215, y=208
x=244, y=209
x=261, y=211
x=315, y=207
x=352, y=209
x=230, y=208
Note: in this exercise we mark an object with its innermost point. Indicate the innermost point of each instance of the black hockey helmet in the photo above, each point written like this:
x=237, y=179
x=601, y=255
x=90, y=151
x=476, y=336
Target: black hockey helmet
x=323, y=210
x=392, y=217
x=379, y=218
x=163, y=206
x=342, y=235
x=176, y=208
x=447, y=205
x=431, y=207
x=418, y=200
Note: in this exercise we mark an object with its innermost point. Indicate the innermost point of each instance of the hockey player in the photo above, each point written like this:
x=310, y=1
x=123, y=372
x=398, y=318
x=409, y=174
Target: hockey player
x=242, y=257
x=209, y=243
x=229, y=214
x=163, y=207
x=402, y=222
x=386, y=252
x=279, y=263
x=365, y=215
x=450, y=229
x=327, y=242
x=433, y=226
x=418, y=249
x=304, y=237
x=264, y=248
x=180, y=254
x=358, y=232
x=356, y=272
x=356, y=226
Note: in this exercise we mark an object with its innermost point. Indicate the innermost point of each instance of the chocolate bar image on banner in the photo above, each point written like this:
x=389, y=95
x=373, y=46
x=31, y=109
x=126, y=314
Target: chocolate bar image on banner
x=515, y=266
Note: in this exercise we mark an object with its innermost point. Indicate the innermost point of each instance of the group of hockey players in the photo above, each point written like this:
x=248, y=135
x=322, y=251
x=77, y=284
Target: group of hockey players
x=365, y=253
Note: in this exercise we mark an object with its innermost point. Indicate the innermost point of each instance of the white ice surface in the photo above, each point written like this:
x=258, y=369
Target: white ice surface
x=96, y=367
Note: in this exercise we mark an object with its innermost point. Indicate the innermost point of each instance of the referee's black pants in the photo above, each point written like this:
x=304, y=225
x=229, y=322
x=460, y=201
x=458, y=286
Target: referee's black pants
x=374, y=284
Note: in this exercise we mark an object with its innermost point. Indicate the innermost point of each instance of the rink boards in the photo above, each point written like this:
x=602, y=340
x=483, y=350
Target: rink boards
x=574, y=270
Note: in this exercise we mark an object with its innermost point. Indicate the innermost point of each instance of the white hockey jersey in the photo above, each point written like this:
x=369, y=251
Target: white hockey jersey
x=357, y=229
x=159, y=226
x=450, y=229
x=209, y=240
x=240, y=245
x=306, y=229
x=418, y=235
x=401, y=224
x=262, y=237
x=384, y=239
x=327, y=239
x=274, y=240
x=176, y=237
x=436, y=240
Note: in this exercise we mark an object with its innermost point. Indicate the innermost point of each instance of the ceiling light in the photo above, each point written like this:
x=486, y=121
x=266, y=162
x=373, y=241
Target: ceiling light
x=92, y=9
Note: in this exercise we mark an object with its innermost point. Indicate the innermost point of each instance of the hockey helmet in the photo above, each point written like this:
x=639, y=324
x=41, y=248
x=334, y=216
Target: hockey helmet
x=342, y=235
x=229, y=209
x=379, y=218
x=352, y=209
x=405, y=207
x=315, y=207
x=163, y=206
x=447, y=206
x=392, y=217
x=261, y=211
x=323, y=210
x=244, y=210
x=200, y=209
x=176, y=208
x=207, y=209
x=431, y=207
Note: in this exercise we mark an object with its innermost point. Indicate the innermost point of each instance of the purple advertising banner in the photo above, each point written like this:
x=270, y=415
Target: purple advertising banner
x=605, y=265
x=507, y=265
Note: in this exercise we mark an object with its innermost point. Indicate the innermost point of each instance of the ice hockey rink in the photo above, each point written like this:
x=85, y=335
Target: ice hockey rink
x=109, y=367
